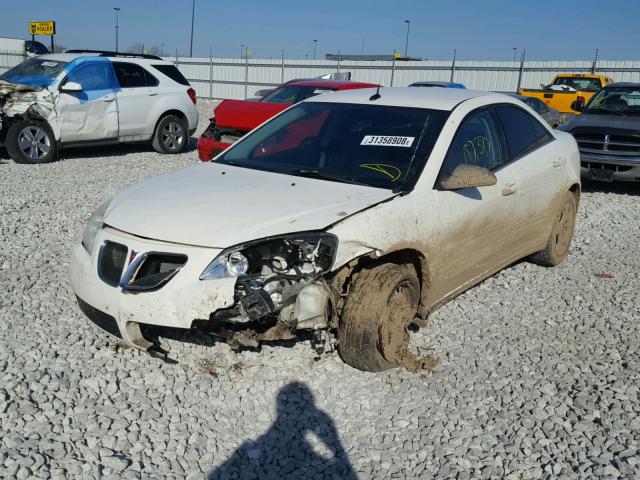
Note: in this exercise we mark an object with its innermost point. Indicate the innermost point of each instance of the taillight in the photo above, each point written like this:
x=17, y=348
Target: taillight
x=192, y=95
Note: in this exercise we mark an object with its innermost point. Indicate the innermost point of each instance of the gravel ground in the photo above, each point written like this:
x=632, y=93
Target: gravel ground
x=539, y=375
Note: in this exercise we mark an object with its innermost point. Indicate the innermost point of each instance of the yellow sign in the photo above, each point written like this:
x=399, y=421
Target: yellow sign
x=249, y=53
x=42, y=28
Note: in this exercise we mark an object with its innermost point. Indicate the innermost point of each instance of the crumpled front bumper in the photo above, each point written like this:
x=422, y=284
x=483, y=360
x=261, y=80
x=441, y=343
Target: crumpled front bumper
x=177, y=303
x=209, y=148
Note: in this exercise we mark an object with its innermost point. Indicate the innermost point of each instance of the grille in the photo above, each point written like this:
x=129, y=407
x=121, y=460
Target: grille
x=111, y=262
x=102, y=320
x=619, y=145
x=154, y=270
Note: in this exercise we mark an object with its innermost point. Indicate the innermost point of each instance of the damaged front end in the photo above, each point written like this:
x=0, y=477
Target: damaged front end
x=19, y=102
x=215, y=139
x=279, y=288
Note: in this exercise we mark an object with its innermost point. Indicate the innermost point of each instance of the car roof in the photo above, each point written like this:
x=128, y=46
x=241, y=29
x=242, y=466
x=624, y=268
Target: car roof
x=433, y=98
x=335, y=84
x=69, y=57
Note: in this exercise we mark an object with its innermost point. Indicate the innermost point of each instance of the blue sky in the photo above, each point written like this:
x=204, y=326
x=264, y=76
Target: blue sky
x=479, y=29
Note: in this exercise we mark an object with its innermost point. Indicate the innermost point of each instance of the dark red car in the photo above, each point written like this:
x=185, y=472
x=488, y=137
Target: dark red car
x=232, y=119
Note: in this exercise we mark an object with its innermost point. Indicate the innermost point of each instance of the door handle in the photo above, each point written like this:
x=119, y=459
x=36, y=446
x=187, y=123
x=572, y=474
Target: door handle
x=108, y=99
x=509, y=189
x=151, y=94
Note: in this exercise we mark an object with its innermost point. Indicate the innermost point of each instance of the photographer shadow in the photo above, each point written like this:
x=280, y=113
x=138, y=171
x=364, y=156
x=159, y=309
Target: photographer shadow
x=284, y=451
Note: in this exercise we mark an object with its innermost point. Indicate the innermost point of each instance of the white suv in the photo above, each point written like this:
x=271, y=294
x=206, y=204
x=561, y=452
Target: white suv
x=85, y=97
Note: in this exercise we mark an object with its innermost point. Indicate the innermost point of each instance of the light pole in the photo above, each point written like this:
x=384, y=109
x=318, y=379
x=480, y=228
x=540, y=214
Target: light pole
x=515, y=51
x=193, y=13
x=315, y=48
x=242, y=51
x=162, y=49
x=116, y=9
x=406, y=43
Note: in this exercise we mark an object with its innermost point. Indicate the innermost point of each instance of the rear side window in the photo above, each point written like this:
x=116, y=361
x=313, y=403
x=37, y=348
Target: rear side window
x=523, y=133
x=476, y=143
x=131, y=75
x=172, y=72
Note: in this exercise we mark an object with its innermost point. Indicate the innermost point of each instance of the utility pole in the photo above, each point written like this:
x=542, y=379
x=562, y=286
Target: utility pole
x=116, y=9
x=162, y=49
x=315, y=47
x=406, y=43
x=242, y=51
x=515, y=51
x=193, y=13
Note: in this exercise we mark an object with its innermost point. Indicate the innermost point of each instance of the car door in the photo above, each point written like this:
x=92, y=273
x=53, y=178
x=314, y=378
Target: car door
x=473, y=225
x=90, y=114
x=137, y=94
x=533, y=151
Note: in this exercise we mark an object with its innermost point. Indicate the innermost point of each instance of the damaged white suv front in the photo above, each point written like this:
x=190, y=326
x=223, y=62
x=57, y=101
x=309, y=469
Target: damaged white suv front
x=356, y=213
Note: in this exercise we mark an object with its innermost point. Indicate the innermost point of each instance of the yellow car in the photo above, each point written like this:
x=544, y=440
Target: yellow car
x=568, y=90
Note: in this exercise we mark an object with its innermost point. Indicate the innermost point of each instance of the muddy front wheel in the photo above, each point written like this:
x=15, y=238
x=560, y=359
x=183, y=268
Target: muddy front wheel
x=372, y=331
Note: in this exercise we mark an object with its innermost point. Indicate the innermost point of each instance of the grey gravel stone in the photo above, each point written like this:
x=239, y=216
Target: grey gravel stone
x=539, y=375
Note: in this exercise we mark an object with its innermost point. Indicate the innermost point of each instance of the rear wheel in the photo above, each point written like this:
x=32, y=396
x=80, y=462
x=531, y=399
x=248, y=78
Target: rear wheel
x=373, y=329
x=29, y=141
x=171, y=135
x=561, y=234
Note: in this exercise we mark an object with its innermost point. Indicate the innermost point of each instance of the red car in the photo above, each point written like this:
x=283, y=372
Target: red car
x=232, y=119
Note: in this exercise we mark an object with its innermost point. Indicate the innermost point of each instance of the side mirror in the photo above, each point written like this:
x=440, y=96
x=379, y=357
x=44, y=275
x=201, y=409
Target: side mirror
x=468, y=176
x=577, y=106
x=71, y=87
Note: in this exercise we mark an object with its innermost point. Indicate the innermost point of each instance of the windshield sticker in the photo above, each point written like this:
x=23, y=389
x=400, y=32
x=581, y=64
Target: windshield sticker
x=49, y=64
x=387, y=141
x=320, y=91
x=390, y=171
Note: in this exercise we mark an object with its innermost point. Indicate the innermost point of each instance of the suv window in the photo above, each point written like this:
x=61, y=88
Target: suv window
x=172, y=72
x=475, y=143
x=131, y=75
x=523, y=132
x=92, y=76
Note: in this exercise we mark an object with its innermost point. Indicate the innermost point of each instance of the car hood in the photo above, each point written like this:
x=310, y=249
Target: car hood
x=600, y=123
x=245, y=115
x=215, y=205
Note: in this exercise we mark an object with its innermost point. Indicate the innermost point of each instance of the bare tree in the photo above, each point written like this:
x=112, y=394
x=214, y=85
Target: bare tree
x=136, y=48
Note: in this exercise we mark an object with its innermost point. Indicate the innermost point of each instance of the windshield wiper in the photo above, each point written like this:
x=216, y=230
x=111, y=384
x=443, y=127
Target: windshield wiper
x=604, y=110
x=323, y=176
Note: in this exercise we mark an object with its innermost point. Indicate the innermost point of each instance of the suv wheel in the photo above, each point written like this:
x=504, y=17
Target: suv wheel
x=29, y=141
x=171, y=135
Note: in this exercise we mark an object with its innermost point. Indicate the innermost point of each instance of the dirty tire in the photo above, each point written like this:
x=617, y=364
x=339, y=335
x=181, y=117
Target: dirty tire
x=382, y=302
x=171, y=135
x=30, y=141
x=561, y=234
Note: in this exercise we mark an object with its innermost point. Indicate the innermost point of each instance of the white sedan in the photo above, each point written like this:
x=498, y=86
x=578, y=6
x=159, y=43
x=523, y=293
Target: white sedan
x=356, y=213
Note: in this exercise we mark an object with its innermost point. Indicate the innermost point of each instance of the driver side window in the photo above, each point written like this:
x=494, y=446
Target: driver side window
x=92, y=76
x=475, y=143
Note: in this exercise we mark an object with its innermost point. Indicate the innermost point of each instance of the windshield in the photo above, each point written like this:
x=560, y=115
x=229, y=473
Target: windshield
x=580, y=83
x=620, y=101
x=374, y=145
x=35, y=72
x=294, y=94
